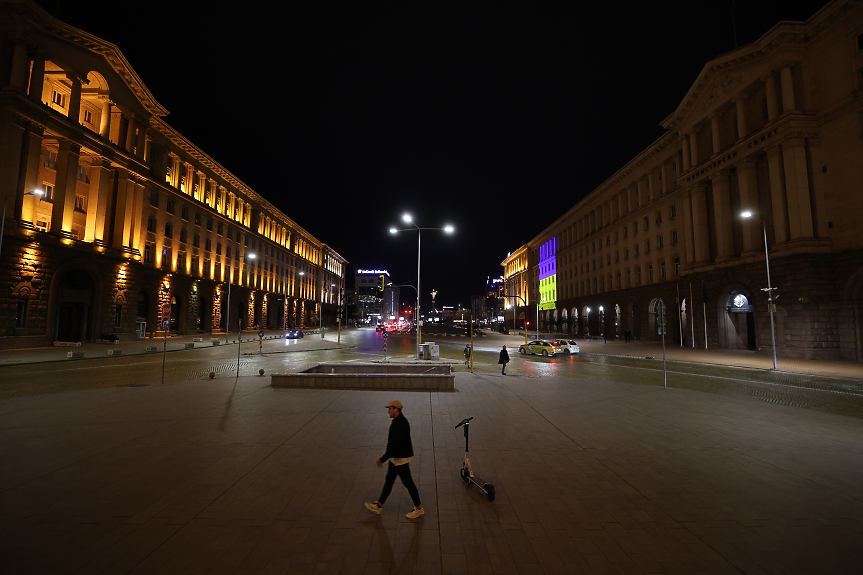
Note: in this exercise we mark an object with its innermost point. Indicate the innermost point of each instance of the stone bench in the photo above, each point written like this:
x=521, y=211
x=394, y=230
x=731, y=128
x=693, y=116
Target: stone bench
x=216, y=341
x=190, y=345
x=74, y=354
x=115, y=351
x=151, y=348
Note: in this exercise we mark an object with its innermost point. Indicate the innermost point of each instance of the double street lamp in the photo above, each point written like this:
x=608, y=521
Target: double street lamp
x=446, y=229
x=769, y=289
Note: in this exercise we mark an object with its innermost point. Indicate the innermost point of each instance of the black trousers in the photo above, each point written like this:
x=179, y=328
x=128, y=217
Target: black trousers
x=403, y=472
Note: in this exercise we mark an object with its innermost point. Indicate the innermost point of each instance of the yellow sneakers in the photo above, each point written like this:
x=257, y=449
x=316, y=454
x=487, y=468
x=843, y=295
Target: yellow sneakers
x=415, y=513
x=374, y=508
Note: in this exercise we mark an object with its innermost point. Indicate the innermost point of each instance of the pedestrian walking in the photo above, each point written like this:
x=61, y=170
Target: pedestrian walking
x=467, y=354
x=399, y=452
x=503, y=360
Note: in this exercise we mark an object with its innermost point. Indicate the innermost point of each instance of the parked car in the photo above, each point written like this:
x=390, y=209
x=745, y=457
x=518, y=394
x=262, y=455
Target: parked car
x=294, y=334
x=538, y=347
x=565, y=346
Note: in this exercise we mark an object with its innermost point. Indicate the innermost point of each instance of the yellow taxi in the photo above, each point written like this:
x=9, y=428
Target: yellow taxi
x=538, y=347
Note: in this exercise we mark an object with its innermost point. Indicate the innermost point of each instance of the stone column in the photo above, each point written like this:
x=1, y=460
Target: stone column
x=75, y=99
x=742, y=130
x=772, y=101
x=819, y=202
x=202, y=186
x=748, y=183
x=787, y=82
x=131, y=134
x=64, y=187
x=141, y=144
x=12, y=129
x=621, y=204
x=136, y=207
x=777, y=195
x=699, y=223
x=101, y=180
x=98, y=174
x=28, y=180
x=19, y=73
x=190, y=180
x=714, y=129
x=688, y=233
x=722, y=218
x=123, y=209
x=651, y=186
x=693, y=146
x=797, y=187
x=687, y=154
x=37, y=77
x=105, y=120
x=115, y=125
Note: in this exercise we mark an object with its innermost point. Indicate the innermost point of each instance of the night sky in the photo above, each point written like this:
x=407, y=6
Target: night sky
x=495, y=119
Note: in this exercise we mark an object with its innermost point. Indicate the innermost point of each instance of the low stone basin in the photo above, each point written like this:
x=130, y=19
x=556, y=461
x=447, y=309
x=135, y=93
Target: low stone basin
x=407, y=376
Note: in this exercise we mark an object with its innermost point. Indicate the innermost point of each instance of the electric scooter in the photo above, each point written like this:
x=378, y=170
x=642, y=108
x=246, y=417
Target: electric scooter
x=466, y=472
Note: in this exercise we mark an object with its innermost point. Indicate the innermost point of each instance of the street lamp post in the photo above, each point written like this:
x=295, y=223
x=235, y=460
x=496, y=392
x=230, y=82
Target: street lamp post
x=447, y=229
x=3, y=217
x=769, y=289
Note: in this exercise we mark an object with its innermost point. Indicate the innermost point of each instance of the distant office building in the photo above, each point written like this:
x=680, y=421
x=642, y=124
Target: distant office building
x=773, y=128
x=374, y=296
x=136, y=227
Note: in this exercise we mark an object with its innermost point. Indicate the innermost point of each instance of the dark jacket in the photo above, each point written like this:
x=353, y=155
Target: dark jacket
x=504, y=356
x=399, y=439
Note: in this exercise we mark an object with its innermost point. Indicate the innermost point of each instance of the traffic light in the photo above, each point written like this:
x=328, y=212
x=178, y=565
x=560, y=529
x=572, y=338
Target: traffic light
x=381, y=282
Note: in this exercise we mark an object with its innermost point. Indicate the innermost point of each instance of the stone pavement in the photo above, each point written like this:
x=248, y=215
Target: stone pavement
x=591, y=477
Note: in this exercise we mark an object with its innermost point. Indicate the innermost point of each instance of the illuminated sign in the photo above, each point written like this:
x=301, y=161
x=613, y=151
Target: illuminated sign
x=373, y=272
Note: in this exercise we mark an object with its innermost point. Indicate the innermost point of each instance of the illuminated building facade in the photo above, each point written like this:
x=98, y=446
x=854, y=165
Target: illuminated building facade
x=775, y=128
x=133, y=217
x=547, y=269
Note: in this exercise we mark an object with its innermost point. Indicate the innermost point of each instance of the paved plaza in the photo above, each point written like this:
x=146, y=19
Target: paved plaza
x=592, y=476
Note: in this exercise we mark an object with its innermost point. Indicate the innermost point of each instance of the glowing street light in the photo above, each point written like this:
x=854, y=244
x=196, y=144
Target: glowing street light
x=769, y=289
x=447, y=229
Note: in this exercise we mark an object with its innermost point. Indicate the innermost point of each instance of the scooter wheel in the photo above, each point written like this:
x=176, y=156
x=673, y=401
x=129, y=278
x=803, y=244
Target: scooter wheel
x=464, y=474
x=489, y=491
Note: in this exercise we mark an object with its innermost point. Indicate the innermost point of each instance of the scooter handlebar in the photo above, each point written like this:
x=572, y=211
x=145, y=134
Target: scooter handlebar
x=463, y=422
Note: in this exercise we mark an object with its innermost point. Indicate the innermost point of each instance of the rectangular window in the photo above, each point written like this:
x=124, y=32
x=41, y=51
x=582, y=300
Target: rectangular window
x=638, y=275
x=219, y=228
x=154, y=198
x=636, y=250
x=88, y=118
x=196, y=270
x=230, y=234
x=166, y=258
x=210, y=224
x=660, y=241
x=218, y=249
x=169, y=230
x=635, y=228
x=183, y=235
x=646, y=223
x=59, y=99
x=658, y=217
x=628, y=278
x=626, y=253
x=650, y=272
x=184, y=213
x=208, y=269
x=672, y=212
x=169, y=206
x=80, y=204
x=148, y=253
x=197, y=218
x=625, y=232
x=673, y=237
x=21, y=312
x=228, y=252
x=83, y=176
x=196, y=240
x=662, y=269
x=647, y=246
x=181, y=261
x=677, y=266
x=50, y=159
x=208, y=244
x=151, y=224
x=48, y=195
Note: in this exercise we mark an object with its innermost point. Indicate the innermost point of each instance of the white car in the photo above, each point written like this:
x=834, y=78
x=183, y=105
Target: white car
x=564, y=346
